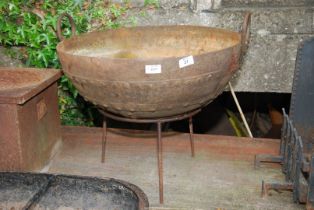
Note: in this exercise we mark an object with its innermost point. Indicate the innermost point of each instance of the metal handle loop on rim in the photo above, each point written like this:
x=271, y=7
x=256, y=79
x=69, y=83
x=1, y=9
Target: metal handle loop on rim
x=59, y=23
x=245, y=33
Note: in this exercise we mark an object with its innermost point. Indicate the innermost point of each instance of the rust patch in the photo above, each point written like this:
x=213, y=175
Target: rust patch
x=18, y=79
x=17, y=85
x=234, y=63
x=41, y=109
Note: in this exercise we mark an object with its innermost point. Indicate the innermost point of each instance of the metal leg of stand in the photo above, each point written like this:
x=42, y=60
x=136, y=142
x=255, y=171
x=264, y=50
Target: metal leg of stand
x=160, y=167
x=191, y=136
x=159, y=137
x=104, y=139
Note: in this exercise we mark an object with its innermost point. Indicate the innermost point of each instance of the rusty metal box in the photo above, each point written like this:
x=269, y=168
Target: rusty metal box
x=29, y=118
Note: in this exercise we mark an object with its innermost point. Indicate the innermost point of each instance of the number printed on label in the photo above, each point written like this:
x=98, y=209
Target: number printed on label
x=187, y=61
x=152, y=69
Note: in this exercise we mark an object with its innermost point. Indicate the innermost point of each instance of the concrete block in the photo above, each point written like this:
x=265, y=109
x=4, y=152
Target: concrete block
x=227, y=20
x=165, y=17
x=269, y=64
x=264, y=22
x=204, y=5
x=266, y=3
x=284, y=21
x=166, y=4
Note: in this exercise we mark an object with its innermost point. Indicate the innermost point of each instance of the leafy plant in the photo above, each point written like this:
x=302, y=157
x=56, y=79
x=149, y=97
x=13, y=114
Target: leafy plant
x=31, y=26
x=154, y=3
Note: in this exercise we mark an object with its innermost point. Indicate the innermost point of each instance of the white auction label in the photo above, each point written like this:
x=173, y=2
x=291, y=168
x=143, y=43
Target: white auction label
x=152, y=69
x=186, y=61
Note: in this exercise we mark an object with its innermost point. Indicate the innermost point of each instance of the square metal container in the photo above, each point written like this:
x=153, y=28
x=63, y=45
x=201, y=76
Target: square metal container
x=29, y=118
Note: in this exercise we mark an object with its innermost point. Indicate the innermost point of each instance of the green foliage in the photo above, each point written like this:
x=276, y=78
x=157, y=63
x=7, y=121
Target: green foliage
x=154, y=3
x=31, y=25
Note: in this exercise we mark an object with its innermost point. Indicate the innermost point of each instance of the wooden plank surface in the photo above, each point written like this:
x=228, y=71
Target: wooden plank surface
x=221, y=175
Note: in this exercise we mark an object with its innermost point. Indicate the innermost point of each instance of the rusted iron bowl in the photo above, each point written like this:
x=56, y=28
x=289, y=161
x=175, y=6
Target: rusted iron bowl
x=153, y=71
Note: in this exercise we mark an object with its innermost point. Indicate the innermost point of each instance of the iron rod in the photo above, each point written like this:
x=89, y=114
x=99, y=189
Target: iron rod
x=150, y=120
x=104, y=140
x=160, y=166
x=191, y=136
x=159, y=122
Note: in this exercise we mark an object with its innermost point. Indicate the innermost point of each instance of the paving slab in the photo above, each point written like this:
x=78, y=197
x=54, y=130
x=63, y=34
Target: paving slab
x=268, y=3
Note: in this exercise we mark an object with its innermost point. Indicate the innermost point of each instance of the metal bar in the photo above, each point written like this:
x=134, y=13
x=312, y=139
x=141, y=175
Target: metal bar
x=267, y=159
x=275, y=186
x=289, y=152
x=283, y=139
x=160, y=166
x=104, y=140
x=310, y=195
x=293, y=157
x=294, y=148
x=191, y=136
x=284, y=149
x=302, y=188
x=149, y=120
x=287, y=146
x=298, y=166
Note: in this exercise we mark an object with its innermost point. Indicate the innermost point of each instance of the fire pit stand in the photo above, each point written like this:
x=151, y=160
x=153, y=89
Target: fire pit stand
x=159, y=122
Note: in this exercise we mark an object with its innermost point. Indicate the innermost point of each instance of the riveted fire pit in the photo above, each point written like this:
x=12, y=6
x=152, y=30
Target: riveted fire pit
x=152, y=71
x=152, y=74
x=47, y=191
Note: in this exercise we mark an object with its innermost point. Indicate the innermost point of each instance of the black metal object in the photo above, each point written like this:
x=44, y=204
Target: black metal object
x=302, y=99
x=293, y=163
x=47, y=191
x=159, y=122
x=297, y=137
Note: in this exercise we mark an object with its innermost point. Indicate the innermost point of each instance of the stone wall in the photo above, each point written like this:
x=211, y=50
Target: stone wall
x=277, y=27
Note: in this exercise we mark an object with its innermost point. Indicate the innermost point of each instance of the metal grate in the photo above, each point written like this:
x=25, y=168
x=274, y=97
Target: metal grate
x=296, y=152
